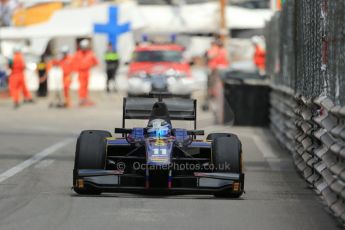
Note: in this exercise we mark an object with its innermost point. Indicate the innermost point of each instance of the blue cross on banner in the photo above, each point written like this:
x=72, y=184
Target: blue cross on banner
x=112, y=28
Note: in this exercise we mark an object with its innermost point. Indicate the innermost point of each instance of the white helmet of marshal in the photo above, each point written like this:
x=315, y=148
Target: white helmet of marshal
x=64, y=49
x=84, y=44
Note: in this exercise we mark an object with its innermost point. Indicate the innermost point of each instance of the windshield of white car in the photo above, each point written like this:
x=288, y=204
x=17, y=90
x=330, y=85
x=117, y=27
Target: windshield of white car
x=158, y=56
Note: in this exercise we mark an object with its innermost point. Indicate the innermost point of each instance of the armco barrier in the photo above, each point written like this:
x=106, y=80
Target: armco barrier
x=314, y=133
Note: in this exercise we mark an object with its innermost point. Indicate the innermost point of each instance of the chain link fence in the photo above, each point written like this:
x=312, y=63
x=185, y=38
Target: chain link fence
x=306, y=48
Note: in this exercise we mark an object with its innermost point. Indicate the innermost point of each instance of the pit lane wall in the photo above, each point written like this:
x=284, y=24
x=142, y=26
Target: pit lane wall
x=306, y=63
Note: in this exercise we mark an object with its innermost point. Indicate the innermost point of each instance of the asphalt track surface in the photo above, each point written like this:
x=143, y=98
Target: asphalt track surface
x=37, y=147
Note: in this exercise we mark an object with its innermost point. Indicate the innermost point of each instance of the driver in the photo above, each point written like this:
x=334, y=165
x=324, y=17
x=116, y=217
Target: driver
x=159, y=128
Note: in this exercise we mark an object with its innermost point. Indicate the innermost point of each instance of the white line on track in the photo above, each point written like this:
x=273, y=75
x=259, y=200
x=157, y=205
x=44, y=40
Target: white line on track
x=263, y=146
x=34, y=159
x=43, y=164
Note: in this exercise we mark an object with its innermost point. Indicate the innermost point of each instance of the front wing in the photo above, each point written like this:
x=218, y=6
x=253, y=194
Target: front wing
x=199, y=183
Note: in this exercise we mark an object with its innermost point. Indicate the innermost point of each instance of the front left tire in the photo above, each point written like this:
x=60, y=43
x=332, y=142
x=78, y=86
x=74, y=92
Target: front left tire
x=227, y=150
x=90, y=154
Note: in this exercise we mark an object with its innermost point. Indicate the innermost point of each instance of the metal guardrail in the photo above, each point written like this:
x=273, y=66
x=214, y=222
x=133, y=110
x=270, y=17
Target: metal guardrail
x=314, y=132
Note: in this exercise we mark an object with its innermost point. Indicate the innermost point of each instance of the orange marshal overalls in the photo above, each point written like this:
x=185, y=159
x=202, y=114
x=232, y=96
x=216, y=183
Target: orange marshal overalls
x=17, y=80
x=218, y=59
x=66, y=64
x=260, y=58
x=83, y=62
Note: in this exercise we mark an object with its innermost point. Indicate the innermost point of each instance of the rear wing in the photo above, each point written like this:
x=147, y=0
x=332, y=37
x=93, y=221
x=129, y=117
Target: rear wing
x=140, y=108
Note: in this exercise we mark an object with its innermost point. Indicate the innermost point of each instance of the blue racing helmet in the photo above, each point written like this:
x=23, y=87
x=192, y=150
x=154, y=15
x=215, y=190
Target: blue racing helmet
x=159, y=128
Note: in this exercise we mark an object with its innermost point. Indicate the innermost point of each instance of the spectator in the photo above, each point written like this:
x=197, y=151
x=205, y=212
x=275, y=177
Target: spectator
x=3, y=79
x=3, y=73
x=7, y=7
x=5, y=13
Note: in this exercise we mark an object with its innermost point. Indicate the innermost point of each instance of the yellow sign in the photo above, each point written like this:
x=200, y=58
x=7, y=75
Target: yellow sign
x=36, y=14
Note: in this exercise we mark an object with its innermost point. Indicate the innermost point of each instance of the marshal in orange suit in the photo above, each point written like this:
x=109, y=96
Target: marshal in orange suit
x=260, y=59
x=17, y=83
x=66, y=64
x=83, y=61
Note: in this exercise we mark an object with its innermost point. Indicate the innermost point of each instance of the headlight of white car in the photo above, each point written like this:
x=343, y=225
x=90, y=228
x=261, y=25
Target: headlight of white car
x=141, y=75
x=174, y=75
x=180, y=84
x=137, y=83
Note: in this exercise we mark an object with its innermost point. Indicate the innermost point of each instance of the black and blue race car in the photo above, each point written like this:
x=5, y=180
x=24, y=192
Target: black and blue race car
x=158, y=158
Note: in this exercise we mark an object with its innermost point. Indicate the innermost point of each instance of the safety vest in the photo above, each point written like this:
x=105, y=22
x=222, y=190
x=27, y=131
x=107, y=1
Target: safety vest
x=111, y=56
x=41, y=66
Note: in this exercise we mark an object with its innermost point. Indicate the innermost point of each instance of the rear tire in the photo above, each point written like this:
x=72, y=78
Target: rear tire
x=90, y=154
x=227, y=151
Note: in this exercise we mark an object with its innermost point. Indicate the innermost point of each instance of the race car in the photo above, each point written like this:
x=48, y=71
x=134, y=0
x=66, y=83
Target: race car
x=158, y=158
x=159, y=68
